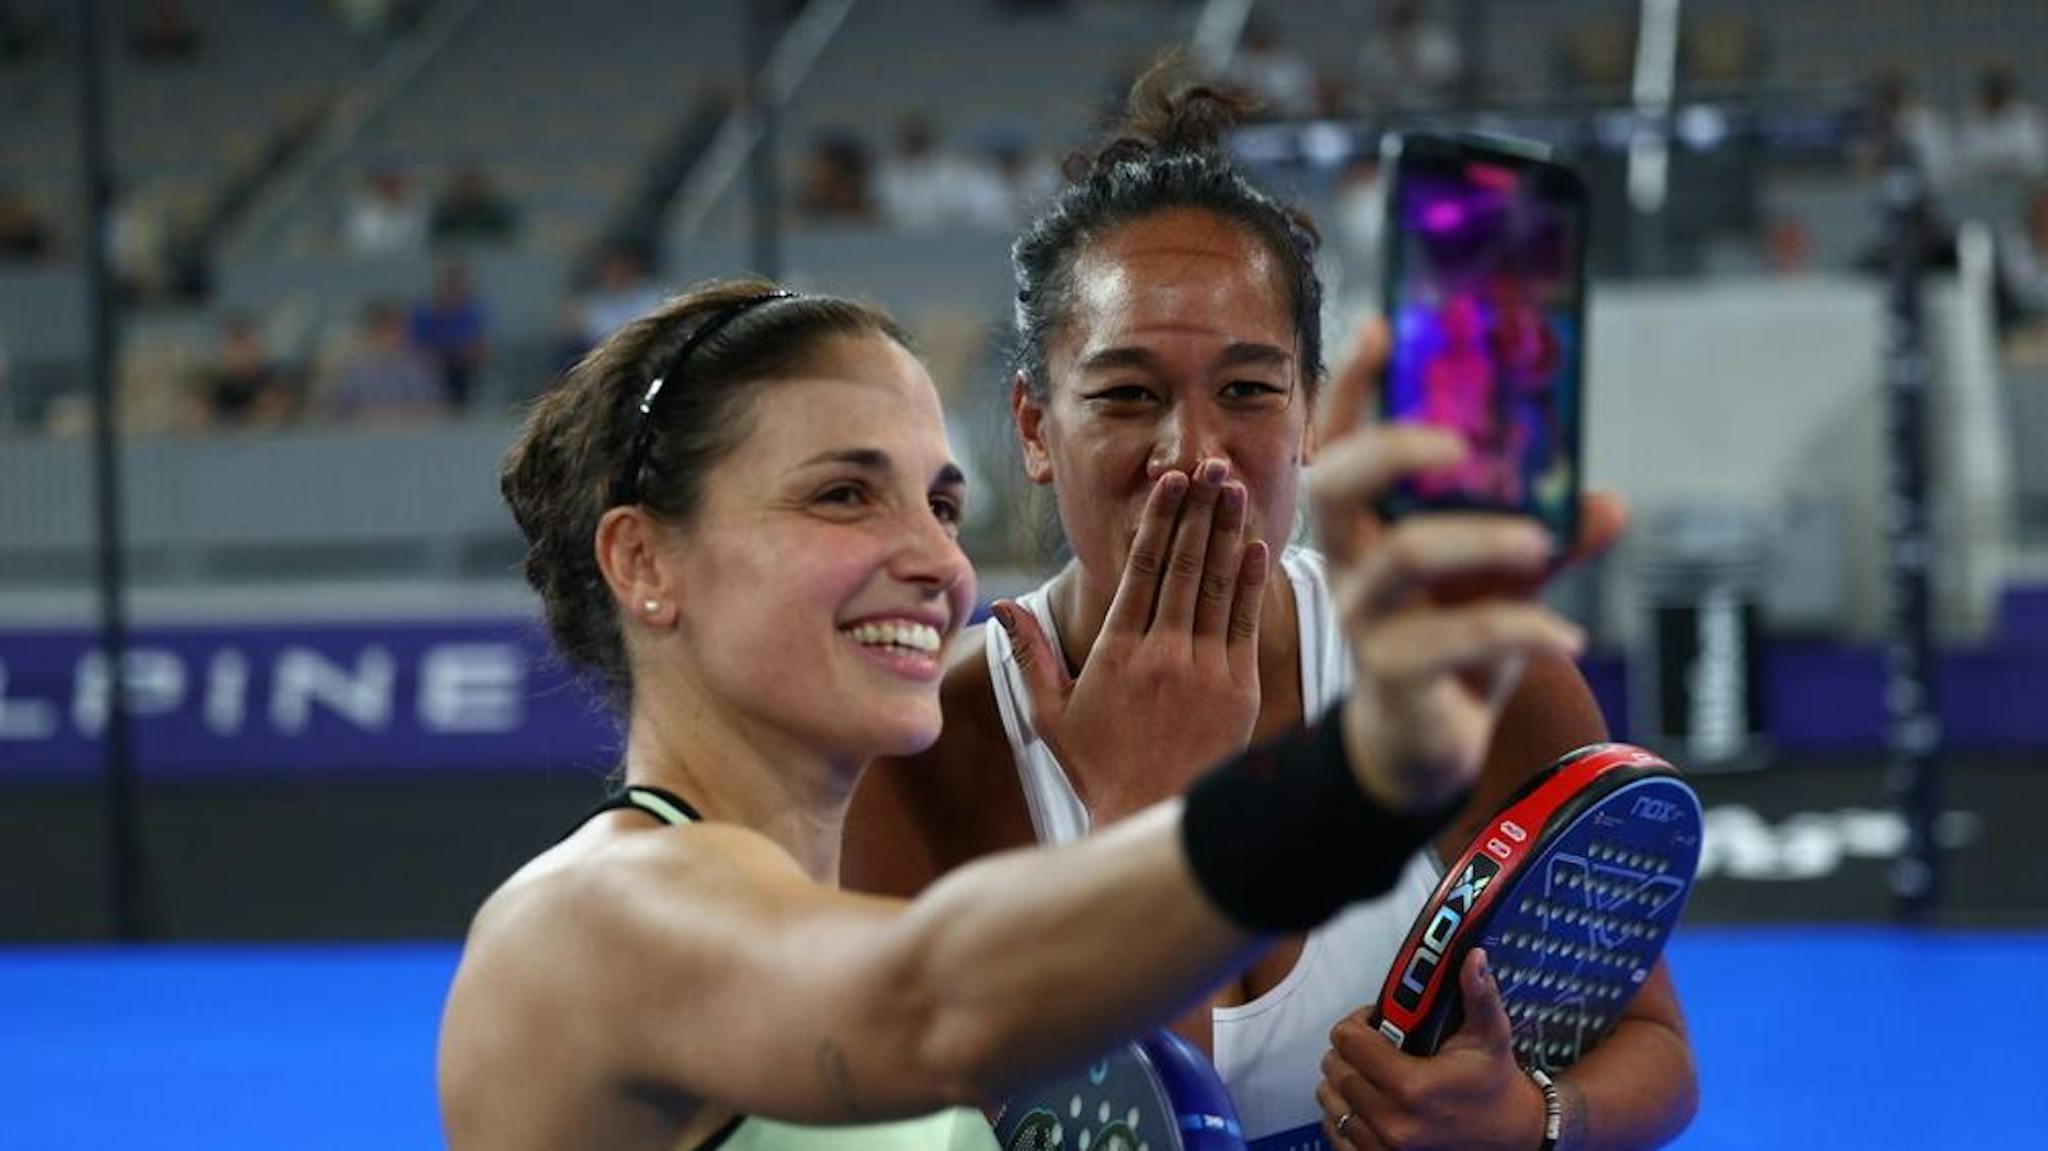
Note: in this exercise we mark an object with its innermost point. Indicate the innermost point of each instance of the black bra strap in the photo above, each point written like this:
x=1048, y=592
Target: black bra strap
x=663, y=805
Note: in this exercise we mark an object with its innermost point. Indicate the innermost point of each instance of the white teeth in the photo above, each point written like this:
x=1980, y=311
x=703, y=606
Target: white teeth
x=904, y=634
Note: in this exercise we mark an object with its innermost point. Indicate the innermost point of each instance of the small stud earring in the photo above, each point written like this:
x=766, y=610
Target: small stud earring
x=651, y=606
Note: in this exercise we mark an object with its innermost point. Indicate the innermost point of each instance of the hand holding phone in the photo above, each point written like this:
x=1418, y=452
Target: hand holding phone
x=1484, y=289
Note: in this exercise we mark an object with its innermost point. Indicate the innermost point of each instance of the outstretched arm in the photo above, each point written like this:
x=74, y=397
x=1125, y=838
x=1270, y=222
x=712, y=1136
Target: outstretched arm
x=705, y=965
x=706, y=962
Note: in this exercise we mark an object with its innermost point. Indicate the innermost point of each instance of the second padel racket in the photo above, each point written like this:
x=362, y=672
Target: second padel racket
x=1572, y=890
x=1159, y=1093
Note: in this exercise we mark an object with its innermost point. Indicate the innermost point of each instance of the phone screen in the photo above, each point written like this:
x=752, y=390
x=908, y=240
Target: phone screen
x=1485, y=296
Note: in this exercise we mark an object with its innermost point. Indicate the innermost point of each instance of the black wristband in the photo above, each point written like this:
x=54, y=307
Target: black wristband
x=1282, y=838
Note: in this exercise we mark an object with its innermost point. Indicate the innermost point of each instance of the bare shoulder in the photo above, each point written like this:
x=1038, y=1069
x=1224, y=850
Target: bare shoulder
x=624, y=865
x=1551, y=713
x=578, y=968
x=916, y=817
x=554, y=941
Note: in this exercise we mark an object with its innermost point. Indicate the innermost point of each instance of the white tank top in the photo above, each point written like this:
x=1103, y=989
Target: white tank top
x=1269, y=1050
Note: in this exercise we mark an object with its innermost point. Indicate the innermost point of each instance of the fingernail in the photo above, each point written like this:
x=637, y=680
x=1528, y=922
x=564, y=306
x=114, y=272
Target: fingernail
x=1212, y=472
x=1174, y=484
x=1233, y=496
x=1479, y=961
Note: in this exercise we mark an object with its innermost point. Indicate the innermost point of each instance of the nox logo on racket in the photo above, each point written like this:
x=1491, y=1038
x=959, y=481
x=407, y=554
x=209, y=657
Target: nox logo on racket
x=1658, y=810
x=1443, y=927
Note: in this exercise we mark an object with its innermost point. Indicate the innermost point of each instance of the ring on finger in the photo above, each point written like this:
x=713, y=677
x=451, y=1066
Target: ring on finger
x=1344, y=1121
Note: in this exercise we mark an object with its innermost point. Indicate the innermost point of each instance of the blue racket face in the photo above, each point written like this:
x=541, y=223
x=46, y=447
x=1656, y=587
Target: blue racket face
x=1577, y=931
x=1160, y=1095
x=1114, y=1104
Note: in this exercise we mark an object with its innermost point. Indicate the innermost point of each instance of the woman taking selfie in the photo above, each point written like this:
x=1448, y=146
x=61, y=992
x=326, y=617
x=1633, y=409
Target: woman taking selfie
x=741, y=515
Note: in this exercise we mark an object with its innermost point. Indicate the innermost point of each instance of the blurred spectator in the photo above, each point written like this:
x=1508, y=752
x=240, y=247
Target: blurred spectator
x=471, y=210
x=836, y=180
x=384, y=216
x=2003, y=138
x=24, y=237
x=919, y=185
x=1897, y=119
x=1721, y=52
x=1007, y=184
x=450, y=327
x=924, y=186
x=1411, y=60
x=1275, y=73
x=138, y=242
x=165, y=33
x=621, y=293
x=1933, y=239
x=385, y=379
x=2023, y=263
x=1788, y=247
x=1359, y=211
x=242, y=387
x=1333, y=95
x=1596, y=56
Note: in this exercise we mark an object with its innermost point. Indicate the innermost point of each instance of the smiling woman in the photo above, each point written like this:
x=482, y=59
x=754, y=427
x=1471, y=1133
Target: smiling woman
x=742, y=514
x=823, y=538
x=1168, y=323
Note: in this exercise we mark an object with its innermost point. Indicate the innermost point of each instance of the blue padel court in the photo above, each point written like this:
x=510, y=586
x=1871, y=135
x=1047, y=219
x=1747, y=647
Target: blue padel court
x=1807, y=1038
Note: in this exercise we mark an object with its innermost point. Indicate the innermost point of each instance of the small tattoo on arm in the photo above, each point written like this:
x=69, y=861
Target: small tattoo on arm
x=1578, y=1117
x=838, y=1076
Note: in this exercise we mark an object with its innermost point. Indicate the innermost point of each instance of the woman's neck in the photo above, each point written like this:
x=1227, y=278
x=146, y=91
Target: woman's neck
x=736, y=770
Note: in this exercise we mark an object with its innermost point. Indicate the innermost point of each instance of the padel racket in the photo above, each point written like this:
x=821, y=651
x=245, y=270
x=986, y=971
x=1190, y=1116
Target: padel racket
x=1159, y=1093
x=1572, y=890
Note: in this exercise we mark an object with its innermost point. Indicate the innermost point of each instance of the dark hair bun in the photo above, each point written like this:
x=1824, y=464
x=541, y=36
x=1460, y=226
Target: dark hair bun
x=1173, y=110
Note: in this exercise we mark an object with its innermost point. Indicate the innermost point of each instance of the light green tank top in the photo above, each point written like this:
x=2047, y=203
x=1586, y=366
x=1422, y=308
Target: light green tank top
x=956, y=1130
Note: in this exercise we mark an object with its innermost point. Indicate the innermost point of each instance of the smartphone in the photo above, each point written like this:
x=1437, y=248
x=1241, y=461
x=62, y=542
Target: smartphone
x=1484, y=286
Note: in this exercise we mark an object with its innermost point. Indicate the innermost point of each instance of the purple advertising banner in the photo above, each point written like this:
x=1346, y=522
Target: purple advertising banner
x=398, y=696
x=365, y=697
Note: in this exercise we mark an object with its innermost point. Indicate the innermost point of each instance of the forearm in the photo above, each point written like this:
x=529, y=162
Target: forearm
x=727, y=974
x=1029, y=957
x=1110, y=803
x=1009, y=967
x=1636, y=1091
x=1274, y=843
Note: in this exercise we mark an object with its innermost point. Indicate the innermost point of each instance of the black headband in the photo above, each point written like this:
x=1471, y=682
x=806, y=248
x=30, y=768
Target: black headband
x=626, y=488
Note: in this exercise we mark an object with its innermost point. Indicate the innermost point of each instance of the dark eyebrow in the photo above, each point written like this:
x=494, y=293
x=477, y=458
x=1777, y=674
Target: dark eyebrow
x=866, y=459
x=877, y=460
x=1254, y=355
x=1117, y=358
x=1235, y=355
